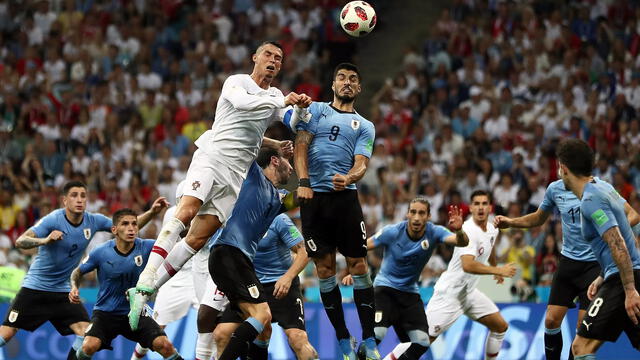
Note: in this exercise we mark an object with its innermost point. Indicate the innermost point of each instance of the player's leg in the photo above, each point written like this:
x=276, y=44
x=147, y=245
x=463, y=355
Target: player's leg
x=90, y=346
x=164, y=347
x=363, y=297
x=222, y=334
x=149, y=335
x=413, y=321
x=6, y=334
x=386, y=311
x=68, y=318
x=299, y=342
x=139, y=351
x=259, y=348
x=99, y=334
x=497, y=329
x=79, y=329
x=552, y=330
x=585, y=348
x=258, y=316
x=207, y=322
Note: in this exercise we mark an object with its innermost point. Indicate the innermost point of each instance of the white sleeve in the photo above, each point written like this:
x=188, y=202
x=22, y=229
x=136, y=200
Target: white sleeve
x=240, y=99
x=471, y=248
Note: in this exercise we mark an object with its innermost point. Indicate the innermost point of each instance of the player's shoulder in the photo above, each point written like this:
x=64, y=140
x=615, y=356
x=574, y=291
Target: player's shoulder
x=104, y=247
x=556, y=186
x=238, y=78
x=282, y=219
x=145, y=243
x=392, y=230
x=432, y=228
x=363, y=120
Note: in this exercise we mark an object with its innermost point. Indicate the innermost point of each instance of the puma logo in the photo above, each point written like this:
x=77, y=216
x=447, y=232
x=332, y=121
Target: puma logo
x=587, y=325
x=110, y=262
x=367, y=305
x=330, y=307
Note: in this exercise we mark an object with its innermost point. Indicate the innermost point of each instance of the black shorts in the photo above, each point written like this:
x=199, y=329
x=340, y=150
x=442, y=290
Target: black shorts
x=287, y=312
x=606, y=317
x=402, y=310
x=571, y=280
x=32, y=308
x=106, y=327
x=334, y=220
x=233, y=273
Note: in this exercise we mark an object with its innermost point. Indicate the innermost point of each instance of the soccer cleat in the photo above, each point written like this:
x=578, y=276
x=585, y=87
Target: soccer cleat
x=137, y=301
x=368, y=350
x=348, y=347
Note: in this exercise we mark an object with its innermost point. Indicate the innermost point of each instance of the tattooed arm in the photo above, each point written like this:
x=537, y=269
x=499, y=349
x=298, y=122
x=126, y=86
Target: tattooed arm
x=74, y=294
x=620, y=255
x=29, y=240
x=301, y=162
x=281, y=288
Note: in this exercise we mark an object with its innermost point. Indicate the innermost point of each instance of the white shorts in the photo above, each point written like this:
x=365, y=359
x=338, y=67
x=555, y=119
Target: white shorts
x=213, y=183
x=208, y=293
x=175, y=298
x=445, y=308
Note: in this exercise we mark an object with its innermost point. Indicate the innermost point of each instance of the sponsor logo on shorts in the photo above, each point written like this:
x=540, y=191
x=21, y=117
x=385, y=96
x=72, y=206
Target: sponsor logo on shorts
x=355, y=124
x=312, y=245
x=195, y=185
x=253, y=291
x=138, y=260
x=13, y=316
x=378, y=316
x=587, y=325
x=424, y=244
x=87, y=233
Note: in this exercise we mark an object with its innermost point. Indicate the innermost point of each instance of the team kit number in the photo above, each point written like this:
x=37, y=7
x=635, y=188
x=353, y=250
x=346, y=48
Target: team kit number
x=575, y=213
x=335, y=130
x=595, y=307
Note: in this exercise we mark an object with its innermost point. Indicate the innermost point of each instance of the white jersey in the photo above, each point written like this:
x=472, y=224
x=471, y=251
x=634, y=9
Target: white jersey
x=455, y=279
x=243, y=113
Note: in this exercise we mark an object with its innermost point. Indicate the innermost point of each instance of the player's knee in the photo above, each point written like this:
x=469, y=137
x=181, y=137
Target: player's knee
x=206, y=319
x=357, y=266
x=419, y=337
x=264, y=314
x=578, y=346
x=552, y=320
x=8, y=332
x=501, y=327
x=90, y=346
x=188, y=209
x=380, y=332
x=221, y=334
x=297, y=339
x=325, y=270
x=163, y=346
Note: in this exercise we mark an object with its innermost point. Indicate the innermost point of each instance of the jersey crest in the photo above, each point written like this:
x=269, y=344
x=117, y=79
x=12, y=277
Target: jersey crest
x=424, y=244
x=378, y=316
x=13, y=316
x=87, y=233
x=138, y=260
x=253, y=291
x=355, y=124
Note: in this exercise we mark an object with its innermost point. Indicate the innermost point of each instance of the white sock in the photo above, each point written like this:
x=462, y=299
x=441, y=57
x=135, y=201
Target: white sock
x=205, y=347
x=139, y=352
x=179, y=255
x=167, y=238
x=493, y=345
x=398, y=351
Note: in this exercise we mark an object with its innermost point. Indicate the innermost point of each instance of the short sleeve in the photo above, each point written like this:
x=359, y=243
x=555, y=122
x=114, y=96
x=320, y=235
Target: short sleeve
x=316, y=110
x=364, y=143
x=288, y=232
x=103, y=223
x=45, y=225
x=440, y=233
x=92, y=261
x=384, y=236
x=598, y=212
x=548, y=204
x=472, y=247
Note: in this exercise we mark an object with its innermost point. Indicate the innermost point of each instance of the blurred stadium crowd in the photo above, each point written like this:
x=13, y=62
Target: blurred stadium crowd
x=115, y=92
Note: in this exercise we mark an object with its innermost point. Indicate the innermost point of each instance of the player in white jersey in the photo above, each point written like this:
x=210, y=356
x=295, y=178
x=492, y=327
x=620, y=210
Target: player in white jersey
x=246, y=107
x=456, y=293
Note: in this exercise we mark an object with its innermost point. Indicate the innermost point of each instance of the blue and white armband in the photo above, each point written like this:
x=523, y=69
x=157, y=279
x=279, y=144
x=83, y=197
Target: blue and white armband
x=293, y=116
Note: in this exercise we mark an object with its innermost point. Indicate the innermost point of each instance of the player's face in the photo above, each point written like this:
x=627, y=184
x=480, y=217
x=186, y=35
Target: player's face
x=268, y=60
x=417, y=217
x=346, y=85
x=76, y=200
x=284, y=170
x=126, y=229
x=480, y=208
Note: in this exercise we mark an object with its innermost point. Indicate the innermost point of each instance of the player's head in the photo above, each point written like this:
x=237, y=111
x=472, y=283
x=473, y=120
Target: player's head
x=418, y=215
x=125, y=225
x=575, y=159
x=268, y=59
x=276, y=166
x=346, y=82
x=480, y=205
x=74, y=196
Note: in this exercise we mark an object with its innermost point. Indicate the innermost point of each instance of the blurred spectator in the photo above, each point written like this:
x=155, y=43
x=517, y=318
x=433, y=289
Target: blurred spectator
x=547, y=261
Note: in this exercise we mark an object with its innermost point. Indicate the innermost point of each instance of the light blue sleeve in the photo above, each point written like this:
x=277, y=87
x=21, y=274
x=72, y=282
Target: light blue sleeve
x=316, y=110
x=102, y=222
x=45, y=225
x=384, y=236
x=287, y=231
x=440, y=233
x=92, y=262
x=364, y=143
x=598, y=212
x=548, y=204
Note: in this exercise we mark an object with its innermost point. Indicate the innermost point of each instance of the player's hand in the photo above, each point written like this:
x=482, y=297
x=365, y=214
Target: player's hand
x=287, y=148
x=74, y=295
x=159, y=204
x=54, y=236
x=508, y=270
x=455, y=218
x=499, y=279
x=281, y=288
x=305, y=194
x=594, y=287
x=347, y=280
x=632, y=305
x=340, y=182
x=304, y=101
x=291, y=99
x=502, y=222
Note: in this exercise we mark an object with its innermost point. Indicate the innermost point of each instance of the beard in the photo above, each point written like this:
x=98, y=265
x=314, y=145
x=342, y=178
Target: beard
x=346, y=99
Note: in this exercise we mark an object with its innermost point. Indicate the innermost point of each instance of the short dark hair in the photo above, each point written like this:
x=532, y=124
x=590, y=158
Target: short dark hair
x=577, y=156
x=119, y=214
x=274, y=43
x=265, y=154
x=347, y=66
x=422, y=200
x=72, y=184
x=480, y=193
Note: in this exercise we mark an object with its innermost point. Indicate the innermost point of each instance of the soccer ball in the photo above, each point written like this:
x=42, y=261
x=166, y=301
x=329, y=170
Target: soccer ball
x=358, y=18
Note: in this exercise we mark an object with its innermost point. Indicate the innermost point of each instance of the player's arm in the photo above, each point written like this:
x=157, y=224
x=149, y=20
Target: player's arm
x=240, y=99
x=533, y=219
x=301, y=259
x=471, y=266
x=340, y=182
x=620, y=255
x=76, y=277
x=286, y=145
x=301, y=163
x=28, y=239
x=632, y=214
x=459, y=237
x=158, y=205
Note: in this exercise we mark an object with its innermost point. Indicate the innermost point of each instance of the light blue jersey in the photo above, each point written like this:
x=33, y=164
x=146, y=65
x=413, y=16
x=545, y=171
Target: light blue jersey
x=603, y=208
x=117, y=272
x=404, y=258
x=337, y=138
x=55, y=261
x=273, y=257
x=558, y=197
x=259, y=202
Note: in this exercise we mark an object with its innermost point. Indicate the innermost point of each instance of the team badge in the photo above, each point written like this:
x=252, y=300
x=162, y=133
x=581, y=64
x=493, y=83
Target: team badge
x=312, y=245
x=355, y=124
x=13, y=316
x=378, y=316
x=195, y=185
x=138, y=260
x=87, y=233
x=424, y=244
x=253, y=291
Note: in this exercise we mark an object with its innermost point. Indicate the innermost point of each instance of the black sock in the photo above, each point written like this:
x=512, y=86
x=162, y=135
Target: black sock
x=332, y=302
x=239, y=342
x=570, y=354
x=72, y=354
x=553, y=344
x=257, y=353
x=366, y=310
x=413, y=352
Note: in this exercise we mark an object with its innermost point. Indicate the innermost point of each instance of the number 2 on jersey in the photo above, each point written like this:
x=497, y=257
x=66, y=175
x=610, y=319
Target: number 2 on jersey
x=335, y=130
